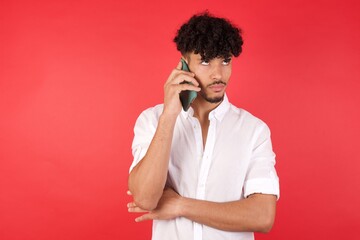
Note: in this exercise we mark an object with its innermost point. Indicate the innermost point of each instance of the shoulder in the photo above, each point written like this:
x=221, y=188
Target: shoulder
x=247, y=120
x=155, y=111
x=150, y=115
x=245, y=115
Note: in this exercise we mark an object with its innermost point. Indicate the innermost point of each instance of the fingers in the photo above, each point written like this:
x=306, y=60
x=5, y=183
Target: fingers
x=173, y=87
x=177, y=84
x=178, y=88
x=179, y=66
x=129, y=193
x=132, y=207
x=148, y=216
x=184, y=87
x=177, y=71
x=184, y=77
x=178, y=76
x=136, y=210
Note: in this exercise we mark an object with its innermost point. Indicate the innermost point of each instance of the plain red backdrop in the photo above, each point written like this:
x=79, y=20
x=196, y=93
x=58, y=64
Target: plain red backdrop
x=74, y=76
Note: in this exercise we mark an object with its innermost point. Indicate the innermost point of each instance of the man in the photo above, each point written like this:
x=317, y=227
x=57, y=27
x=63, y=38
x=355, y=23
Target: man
x=205, y=173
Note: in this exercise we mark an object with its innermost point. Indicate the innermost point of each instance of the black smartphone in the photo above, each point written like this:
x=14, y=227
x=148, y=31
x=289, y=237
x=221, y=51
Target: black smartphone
x=187, y=96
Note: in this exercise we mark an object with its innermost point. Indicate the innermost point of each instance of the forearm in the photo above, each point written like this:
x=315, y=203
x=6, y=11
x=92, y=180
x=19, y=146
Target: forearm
x=148, y=178
x=253, y=214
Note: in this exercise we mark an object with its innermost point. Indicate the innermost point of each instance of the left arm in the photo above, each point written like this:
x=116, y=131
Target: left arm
x=256, y=213
x=253, y=214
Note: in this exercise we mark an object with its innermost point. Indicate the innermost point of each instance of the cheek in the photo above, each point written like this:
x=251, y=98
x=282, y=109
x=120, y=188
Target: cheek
x=226, y=74
x=201, y=77
x=200, y=81
x=200, y=72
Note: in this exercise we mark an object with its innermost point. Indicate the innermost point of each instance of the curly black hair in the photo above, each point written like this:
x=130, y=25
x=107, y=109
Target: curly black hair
x=209, y=36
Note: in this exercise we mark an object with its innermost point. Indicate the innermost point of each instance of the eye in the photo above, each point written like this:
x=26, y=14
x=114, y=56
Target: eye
x=226, y=61
x=205, y=63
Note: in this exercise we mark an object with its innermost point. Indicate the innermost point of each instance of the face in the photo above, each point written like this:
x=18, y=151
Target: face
x=213, y=76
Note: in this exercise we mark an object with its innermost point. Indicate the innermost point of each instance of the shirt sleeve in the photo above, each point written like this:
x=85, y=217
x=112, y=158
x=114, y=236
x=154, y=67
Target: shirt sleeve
x=261, y=176
x=144, y=131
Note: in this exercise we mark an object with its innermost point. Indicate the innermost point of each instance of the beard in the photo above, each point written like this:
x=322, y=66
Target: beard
x=212, y=99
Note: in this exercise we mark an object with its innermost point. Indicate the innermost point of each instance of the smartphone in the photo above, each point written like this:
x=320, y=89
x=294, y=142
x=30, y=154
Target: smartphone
x=187, y=96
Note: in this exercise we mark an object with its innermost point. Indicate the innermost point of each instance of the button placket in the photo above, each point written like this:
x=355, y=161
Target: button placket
x=204, y=171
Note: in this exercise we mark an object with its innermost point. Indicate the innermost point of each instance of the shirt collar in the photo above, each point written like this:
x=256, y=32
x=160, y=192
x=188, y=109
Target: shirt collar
x=218, y=112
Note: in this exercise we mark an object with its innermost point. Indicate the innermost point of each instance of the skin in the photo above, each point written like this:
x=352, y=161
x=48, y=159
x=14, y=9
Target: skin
x=147, y=180
x=207, y=74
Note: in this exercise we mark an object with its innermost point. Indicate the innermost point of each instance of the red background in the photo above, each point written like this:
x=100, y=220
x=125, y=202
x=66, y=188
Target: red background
x=74, y=76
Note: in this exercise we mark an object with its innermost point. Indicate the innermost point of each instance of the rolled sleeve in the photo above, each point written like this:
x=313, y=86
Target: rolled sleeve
x=138, y=154
x=261, y=176
x=262, y=185
x=144, y=131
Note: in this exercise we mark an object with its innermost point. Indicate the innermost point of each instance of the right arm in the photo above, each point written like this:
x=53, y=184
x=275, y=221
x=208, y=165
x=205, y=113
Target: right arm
x=147, y=179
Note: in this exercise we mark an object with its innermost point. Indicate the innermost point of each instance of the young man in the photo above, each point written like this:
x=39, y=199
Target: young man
x=205, y=173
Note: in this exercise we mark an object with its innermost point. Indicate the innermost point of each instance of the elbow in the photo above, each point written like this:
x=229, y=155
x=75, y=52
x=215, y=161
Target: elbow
x=266, y=228
x=266, y=224
x=143, y=197
x=265, y=215
x=144, y=200
x=146, y=203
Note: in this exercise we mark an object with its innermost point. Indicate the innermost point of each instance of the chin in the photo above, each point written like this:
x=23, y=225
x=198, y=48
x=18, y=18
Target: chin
x=213, y=99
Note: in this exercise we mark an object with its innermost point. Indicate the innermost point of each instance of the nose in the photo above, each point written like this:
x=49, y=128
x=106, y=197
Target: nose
x=216, y=72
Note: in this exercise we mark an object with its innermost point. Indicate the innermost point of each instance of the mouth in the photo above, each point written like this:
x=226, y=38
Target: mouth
x=217, y=86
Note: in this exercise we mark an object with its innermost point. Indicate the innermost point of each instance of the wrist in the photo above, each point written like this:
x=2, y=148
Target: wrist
x=168, y=117
x=182, y=206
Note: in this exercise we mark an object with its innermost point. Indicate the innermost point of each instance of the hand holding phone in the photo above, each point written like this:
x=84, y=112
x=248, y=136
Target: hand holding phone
x=187, y=96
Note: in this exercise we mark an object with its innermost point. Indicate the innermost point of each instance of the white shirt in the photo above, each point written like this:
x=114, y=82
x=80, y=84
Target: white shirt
x=237, y=161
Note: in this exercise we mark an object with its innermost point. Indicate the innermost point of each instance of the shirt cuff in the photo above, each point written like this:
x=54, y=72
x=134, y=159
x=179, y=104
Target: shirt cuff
x=139, y=154
x=262, y=185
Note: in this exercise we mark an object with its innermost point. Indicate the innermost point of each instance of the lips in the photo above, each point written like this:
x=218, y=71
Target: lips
x=217, y=87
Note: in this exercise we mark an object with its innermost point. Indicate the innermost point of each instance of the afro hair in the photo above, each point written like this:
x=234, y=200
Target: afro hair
x=209, y=36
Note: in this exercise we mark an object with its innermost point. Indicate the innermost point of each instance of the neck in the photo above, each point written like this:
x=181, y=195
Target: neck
x=202, y=108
